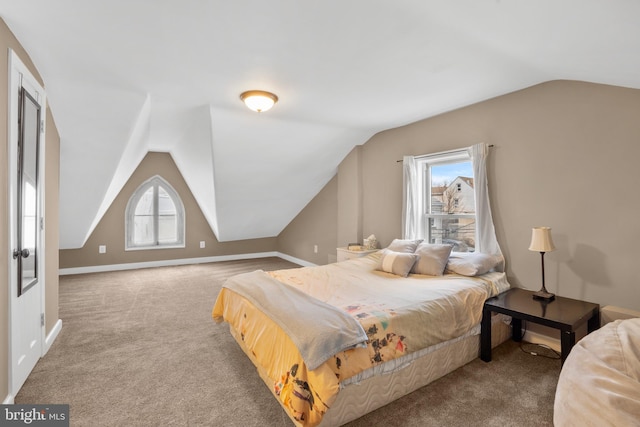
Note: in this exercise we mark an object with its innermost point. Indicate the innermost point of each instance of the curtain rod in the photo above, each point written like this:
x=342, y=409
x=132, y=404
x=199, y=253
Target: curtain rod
x=442, y=152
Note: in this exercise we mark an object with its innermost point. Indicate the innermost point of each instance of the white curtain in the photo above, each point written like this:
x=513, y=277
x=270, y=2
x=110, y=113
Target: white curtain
x=410, y=205
x=486, y=240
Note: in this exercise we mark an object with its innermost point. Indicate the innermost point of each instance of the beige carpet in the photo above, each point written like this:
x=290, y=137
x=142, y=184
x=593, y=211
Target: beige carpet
x=139, y=348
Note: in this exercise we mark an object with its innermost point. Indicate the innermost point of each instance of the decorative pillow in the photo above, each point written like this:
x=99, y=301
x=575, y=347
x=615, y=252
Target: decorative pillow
x=404, y=245
x=432, y=259
x=397, y=263
x=471, y=263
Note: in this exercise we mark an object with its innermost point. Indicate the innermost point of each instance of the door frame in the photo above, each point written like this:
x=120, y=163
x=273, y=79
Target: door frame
x=20, y=76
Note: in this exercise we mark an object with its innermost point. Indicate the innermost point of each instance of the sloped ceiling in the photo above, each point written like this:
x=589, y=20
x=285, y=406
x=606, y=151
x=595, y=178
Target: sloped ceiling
x=124, y=77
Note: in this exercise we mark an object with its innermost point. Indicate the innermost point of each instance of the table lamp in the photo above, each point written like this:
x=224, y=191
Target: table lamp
x=541, y=242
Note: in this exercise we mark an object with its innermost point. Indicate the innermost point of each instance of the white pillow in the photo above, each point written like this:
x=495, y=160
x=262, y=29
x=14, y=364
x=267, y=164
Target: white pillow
x=433, y=259
x=404, y=245
x=471, y=263
x=398, y=263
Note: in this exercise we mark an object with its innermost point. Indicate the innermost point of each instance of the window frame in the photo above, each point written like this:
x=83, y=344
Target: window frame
x=423, y=165
x=154, y=182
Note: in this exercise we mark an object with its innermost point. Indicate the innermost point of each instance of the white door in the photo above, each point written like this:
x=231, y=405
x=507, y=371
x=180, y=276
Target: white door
x=26, y=216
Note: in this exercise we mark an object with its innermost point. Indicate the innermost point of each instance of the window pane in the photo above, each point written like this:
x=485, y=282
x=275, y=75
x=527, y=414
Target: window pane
x=143, y=220
x=143, y=230
x=165, y=204
x=167, y=229
x=453, y=203
x=452, y=188
x=167, y=218
x=145, y=204
x=458, y=232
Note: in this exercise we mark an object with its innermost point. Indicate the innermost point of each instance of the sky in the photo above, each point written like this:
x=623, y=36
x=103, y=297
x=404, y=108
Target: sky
x=448, y=172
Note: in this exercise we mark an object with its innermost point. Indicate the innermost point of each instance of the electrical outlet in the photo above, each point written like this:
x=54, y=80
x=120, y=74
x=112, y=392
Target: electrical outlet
x=315, y=249
x=202, y=244
x=102, y=249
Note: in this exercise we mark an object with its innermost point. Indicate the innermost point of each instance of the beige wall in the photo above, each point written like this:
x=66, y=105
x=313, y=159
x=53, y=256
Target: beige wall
x=565, y=156
x=110, y=231
x=350, y=193
x=315, y=225
x=52, y=214
x=52, y=162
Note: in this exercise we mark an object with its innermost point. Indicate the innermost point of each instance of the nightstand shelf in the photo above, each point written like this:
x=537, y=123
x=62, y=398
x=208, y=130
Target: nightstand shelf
x=564, y=314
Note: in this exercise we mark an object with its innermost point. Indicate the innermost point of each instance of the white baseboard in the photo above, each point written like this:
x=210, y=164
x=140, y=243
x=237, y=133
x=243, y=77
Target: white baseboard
x=48, y=341
x=183, y=261
x=296, y=260
x=8, y=400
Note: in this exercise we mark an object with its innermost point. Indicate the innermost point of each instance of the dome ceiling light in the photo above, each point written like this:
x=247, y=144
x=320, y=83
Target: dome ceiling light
x=258, y=100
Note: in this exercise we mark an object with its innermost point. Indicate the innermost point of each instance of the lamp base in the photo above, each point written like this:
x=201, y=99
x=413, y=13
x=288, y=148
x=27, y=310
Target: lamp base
x=542, y=294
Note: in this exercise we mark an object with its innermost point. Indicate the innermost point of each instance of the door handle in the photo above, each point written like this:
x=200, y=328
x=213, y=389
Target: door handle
x=24, y=253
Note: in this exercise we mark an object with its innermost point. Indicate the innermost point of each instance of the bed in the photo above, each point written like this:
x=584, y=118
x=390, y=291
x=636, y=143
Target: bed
x=408, y=331
x=599, y=384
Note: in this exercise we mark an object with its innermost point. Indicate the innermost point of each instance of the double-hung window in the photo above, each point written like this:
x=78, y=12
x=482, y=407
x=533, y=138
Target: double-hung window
x=447, y=200
x=155, y=217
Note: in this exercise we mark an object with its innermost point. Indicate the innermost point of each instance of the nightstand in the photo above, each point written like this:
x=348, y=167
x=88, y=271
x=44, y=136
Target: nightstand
x=345, y=254
x=564, y=314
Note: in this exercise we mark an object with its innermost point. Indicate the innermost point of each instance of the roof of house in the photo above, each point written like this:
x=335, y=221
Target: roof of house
x=467, y=179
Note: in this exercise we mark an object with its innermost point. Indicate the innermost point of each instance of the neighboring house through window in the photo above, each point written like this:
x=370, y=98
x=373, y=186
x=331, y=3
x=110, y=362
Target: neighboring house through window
x=155, y=217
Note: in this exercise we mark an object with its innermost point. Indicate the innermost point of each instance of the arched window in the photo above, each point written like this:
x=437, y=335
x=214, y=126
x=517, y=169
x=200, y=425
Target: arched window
x=155, y=217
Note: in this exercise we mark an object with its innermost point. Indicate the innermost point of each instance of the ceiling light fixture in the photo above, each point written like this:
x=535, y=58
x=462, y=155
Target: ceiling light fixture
x=258, y=100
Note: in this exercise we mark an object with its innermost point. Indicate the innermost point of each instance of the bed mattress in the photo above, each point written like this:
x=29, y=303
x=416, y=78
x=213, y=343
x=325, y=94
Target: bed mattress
x=375, y=389
x=404, y=319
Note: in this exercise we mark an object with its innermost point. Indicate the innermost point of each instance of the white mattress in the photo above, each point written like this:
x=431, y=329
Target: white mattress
x=358, y=399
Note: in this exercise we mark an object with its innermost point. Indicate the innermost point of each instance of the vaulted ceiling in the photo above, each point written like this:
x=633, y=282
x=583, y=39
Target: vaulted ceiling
x=124, y=77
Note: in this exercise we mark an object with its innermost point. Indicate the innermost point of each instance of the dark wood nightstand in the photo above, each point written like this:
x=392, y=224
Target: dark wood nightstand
x=564, y=314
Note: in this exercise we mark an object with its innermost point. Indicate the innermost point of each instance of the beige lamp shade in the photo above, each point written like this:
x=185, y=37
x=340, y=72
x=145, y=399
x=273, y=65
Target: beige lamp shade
x=541, y=240
x=258, y=100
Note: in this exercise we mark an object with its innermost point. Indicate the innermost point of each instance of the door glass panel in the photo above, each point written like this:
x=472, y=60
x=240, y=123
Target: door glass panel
x=28, y=149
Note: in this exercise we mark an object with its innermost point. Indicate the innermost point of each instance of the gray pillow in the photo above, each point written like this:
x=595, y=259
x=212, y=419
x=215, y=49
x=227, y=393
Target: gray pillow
x=404, y=245
x=398, y=263
x=471, y=263
x=433, y=259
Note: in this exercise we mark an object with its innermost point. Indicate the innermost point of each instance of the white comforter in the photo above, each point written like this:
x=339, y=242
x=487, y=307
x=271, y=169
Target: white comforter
x=441, y=308
x=318, y=329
